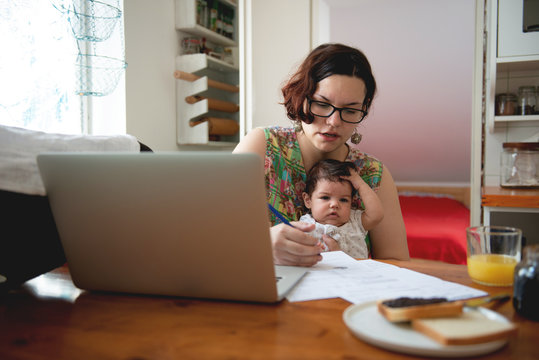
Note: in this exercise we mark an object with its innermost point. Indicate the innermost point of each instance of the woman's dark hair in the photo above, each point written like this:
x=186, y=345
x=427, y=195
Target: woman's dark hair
x=330, y=170
x=324, y=61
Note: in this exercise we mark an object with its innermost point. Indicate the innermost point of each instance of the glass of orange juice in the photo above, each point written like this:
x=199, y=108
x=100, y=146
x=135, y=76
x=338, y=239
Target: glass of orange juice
x=493, y=252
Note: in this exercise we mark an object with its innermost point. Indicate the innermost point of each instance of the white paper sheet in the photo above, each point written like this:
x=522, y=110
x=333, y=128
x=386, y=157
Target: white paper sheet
x=339, y=275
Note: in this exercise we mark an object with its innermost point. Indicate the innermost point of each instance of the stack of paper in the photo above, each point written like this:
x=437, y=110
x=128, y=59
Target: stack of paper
x=339, y=275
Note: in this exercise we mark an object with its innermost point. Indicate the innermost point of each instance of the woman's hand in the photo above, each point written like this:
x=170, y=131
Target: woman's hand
x=294, y=246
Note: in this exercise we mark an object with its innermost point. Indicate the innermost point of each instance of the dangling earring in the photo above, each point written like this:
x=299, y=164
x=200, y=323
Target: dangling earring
x=297, y=126
x=356, y=137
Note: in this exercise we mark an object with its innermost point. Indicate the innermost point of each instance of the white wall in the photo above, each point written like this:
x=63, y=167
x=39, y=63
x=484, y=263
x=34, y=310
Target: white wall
x=421, y=52
x=150, y=52
x=277, y=40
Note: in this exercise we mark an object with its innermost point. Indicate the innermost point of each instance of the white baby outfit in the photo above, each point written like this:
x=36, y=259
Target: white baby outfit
x=350, y=236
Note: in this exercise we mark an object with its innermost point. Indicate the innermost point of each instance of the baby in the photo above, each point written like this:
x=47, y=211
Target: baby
x=328, y=195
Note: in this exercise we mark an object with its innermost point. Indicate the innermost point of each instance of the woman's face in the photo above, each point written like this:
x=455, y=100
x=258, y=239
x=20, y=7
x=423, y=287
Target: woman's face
x=329, y=134
x=330, y=202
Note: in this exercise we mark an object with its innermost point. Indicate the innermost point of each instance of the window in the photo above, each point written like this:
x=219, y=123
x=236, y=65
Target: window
x=41, y=72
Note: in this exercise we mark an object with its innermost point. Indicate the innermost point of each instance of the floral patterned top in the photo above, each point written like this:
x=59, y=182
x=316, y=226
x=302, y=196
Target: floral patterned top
x=285, y=173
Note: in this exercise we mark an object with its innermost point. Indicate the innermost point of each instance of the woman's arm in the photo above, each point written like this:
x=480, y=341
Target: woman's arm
x=291, y=245
x=253, y=142
x=388, y=238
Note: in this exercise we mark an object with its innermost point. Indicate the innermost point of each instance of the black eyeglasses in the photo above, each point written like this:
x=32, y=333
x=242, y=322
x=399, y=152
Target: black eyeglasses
x=324, y=109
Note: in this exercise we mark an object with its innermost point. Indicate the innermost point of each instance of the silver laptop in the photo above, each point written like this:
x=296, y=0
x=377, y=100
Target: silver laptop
x=190, y=224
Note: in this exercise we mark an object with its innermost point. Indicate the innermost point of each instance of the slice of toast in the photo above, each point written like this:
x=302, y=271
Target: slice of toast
x=406, y=309
x=471, y=327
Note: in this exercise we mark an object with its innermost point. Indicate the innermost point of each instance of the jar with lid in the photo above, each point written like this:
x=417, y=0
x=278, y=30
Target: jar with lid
x=526, y=284
x=526, y=100
x=506, y=104
x=190, y=46
x=519, y=164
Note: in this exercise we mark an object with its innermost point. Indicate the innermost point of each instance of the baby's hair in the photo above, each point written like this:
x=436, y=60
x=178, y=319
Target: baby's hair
x=330, y=170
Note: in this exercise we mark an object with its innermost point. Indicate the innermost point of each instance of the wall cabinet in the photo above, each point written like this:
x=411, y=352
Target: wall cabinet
x=513, y=41
x=512, y=60
x=207, y=74
x=508, y=74
x=505, y=74
x=509, y=62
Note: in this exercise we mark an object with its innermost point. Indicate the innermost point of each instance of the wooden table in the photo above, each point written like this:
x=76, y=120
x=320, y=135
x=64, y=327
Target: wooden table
x=49, y=318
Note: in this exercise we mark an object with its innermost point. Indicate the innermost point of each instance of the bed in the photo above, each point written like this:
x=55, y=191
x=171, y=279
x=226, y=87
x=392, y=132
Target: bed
x=436, y=219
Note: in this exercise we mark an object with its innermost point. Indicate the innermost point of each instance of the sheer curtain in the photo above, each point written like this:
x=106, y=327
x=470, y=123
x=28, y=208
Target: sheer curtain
x=62, y=66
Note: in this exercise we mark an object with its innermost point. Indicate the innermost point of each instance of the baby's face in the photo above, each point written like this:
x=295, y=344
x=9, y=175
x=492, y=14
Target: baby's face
x=330, y=202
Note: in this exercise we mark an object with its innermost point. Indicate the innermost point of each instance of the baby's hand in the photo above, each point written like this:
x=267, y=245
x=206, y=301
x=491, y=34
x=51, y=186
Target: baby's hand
x=355, y=179
x=330, y=243
x=322, y=244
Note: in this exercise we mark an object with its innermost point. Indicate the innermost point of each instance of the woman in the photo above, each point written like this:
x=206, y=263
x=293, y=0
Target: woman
x=326, y=98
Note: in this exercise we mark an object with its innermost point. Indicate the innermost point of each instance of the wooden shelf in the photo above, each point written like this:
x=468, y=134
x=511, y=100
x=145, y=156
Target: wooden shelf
x=213, y=81
x=496, y=196
x=516, y=118
x=517, y=63
x=201, y=31
x=196, y=62
x=185, y=18
x=207, y=73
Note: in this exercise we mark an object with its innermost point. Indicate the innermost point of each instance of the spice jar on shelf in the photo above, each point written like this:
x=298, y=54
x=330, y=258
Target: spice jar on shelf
x=519, y=165
x=506, y=104
x=526, y=100
x=190, y=46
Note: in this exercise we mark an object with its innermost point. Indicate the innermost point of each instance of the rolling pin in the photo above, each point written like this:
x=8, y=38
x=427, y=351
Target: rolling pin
x=214, y=104
x=218, y=126
x=212, y=83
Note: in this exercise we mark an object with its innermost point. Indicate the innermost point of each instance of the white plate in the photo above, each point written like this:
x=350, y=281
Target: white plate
x=369, y=325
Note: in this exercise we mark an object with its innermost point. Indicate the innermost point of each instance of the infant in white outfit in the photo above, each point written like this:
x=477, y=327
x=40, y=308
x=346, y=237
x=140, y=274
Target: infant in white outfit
x=328, y=195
